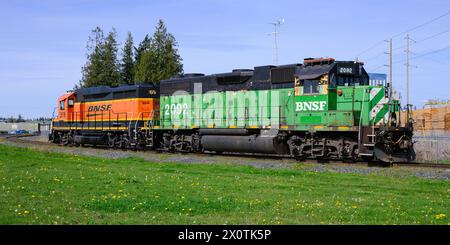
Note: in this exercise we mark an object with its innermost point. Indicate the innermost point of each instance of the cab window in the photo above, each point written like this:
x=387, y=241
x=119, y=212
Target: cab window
x=345, y=81
x=352, y=81
x=62, y=105
x=70, y=103
x=310, y=86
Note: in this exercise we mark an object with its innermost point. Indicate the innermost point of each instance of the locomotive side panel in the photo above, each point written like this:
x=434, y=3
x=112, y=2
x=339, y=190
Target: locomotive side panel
x=104, y=115
x=228, y=109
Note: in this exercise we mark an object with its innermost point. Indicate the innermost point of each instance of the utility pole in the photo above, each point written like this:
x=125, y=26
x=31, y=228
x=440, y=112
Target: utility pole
x=276, y=26
x=390, y=79
x=409, y=41
x=407, y=69
x=390, y=70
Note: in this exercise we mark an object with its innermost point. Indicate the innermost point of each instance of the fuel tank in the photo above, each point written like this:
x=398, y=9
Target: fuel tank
x=244, y=143
x=84, y=139
x=224, y=131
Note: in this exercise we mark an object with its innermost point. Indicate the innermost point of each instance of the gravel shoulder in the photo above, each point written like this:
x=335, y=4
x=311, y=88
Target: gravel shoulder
x=40, y=143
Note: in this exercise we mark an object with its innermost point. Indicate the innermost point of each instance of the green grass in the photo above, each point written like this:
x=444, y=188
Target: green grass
x=53, y=188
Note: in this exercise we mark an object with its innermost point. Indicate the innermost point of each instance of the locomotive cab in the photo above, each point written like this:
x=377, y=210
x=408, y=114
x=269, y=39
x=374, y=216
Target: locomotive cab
x=65, y=111
x=335, y=98
x=66, y=104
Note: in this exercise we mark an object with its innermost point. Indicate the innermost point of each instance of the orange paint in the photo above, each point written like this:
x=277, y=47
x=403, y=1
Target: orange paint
x=108, y=110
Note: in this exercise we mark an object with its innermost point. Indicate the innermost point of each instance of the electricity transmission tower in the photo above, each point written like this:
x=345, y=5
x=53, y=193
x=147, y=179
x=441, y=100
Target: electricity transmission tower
x=276, y=27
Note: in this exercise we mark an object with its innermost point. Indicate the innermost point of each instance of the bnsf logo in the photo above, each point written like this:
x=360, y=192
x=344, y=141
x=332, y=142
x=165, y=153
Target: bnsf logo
x=100, y=107
x=310, y=106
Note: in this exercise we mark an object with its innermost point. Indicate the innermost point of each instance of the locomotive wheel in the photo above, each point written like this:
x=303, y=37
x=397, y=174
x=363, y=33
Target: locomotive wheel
x=120, y=144
x=112, y=142
x=65, y=140
x=300, y=158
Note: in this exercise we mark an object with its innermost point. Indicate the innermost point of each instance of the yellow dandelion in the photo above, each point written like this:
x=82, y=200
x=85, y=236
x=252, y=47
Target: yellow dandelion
x=440, y=216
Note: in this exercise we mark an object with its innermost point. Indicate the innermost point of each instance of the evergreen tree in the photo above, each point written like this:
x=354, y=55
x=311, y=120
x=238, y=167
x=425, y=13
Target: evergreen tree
x=110, y=64
x=127, y=65
x=92, y=69
x=101, y=67
x=155, y=59
x=161, y=60
x=143, y=47
x=139, y=66
x=167, y=60
x=145, y=68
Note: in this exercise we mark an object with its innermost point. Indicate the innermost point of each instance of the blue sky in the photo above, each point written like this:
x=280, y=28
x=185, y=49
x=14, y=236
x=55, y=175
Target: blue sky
x=42, y=43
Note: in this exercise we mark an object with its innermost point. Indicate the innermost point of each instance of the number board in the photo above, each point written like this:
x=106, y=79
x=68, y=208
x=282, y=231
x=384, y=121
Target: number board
x=348, y=69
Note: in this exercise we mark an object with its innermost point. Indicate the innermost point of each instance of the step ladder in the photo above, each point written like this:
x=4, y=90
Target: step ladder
x=367, y=144
x=149, y=132
x=149, y=140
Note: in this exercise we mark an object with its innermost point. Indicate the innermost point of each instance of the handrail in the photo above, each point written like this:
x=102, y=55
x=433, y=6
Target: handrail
x=360, y=119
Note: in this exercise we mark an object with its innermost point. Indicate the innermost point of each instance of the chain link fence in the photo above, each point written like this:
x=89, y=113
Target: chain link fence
x=434, y=147
x=432, y=134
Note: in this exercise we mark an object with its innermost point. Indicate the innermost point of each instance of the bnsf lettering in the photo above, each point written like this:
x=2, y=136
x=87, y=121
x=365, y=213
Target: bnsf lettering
x=310, y=106
x=100, y=108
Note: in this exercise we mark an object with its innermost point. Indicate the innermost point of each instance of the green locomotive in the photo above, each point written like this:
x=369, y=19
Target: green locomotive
x=322, y=109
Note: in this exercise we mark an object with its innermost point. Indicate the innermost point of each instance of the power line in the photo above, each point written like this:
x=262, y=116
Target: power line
x=432, y=52
x=377, y=68
x=371, y=47
x=425, y=54
x=421, y=25
x=425, y=39
x=437, y=62
x=433, y=36
x=373, y=57
x=401, y=33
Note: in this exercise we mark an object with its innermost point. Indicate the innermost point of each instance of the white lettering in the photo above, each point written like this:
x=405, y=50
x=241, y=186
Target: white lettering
x=299, y=106
x=310, y=106
x=322, y=105
x=307, y=106
x=195, y=235
x=175, y=109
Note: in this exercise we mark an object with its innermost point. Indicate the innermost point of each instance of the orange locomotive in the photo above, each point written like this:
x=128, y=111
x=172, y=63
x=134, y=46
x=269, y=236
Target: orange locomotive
x=107, y=116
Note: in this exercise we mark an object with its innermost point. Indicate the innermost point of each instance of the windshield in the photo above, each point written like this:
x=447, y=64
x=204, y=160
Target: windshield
x=351, y=81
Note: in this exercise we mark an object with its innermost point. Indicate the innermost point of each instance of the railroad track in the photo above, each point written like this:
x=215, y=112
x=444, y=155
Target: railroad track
x=424, y=165
x=18, y=139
